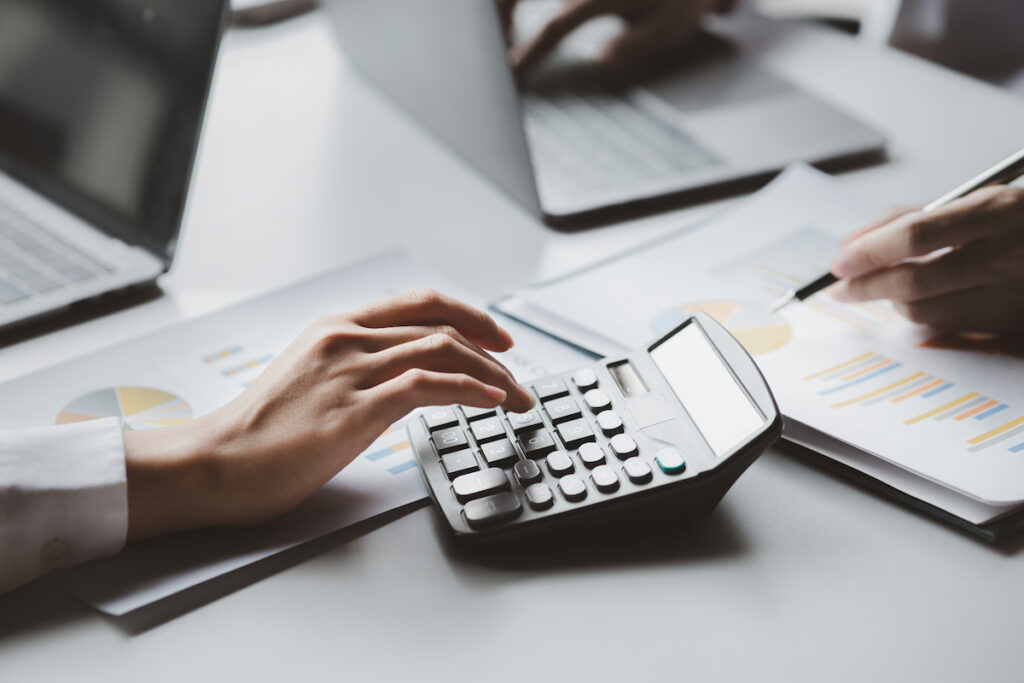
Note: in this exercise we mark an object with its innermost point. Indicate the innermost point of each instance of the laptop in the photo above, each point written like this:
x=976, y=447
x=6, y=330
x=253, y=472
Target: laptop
x=101, y=104
x=568, y=145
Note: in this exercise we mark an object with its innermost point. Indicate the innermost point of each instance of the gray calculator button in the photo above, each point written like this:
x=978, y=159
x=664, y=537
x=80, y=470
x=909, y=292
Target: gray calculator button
x=482, y=483
x=572, y=488
x=477, y=413
x=591, y=455
x=562, y=409
x=624, y=446
x=487, y=429
x=440, y=418
x=576, y=433
x=527, y=472
x=585, y=379
x=597, y=401
x=499, y=453
x=539, y=496
x=560, y=464
x=493, y=509
x=637, y=470
x=605, y=478
x=536, y=444
x=610, y=423
x=448, y=440
x=459, y=463
x=550, y=388
x=522, y=422
x=670, y=460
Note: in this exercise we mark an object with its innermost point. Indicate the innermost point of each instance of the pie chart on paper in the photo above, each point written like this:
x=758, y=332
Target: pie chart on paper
x=136, y=407
x=755, y=327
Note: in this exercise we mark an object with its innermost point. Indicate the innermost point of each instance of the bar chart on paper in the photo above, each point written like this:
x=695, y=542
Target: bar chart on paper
x=915, y=398
x=392, y=450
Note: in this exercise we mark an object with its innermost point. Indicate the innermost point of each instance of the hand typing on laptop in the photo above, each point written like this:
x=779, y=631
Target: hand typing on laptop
x=321, y=403
x=960, y=267
x=655, y=28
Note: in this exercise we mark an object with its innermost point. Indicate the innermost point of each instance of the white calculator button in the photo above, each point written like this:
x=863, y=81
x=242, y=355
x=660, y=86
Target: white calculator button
x=585, y=379
x=637, y=470
x=605, y=478
x=597, y=401
x=610, y=423
x=624, y=446
x=572, y=488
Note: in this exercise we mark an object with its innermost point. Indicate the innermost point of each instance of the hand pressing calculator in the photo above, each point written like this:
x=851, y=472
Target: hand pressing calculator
x=664, y=431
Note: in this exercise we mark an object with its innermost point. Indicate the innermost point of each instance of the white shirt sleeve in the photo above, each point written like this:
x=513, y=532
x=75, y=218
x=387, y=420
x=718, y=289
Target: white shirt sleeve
x=63, y=498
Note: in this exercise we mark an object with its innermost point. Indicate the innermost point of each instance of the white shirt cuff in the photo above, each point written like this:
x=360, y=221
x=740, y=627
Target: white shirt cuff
x=63, y=498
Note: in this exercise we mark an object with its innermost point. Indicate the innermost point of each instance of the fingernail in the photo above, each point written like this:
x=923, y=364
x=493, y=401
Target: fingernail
x=842, y=268
x=506, y=338
x=840, y=292
x=497, y=395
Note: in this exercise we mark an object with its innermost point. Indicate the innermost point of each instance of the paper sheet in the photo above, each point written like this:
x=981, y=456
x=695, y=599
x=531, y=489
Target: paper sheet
x=944, y=407
x=192, y=368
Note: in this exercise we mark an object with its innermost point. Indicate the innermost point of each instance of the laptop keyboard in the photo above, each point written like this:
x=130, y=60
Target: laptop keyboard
x=585, y=141
x=34, y=261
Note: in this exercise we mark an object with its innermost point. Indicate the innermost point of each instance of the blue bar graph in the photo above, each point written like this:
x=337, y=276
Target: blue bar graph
x=403, y=467
x=991, y=411
x=937, y=390
x=1018, y=448
x=866, y=377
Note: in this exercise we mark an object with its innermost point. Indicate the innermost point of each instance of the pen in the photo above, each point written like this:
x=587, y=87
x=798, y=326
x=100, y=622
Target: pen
x=1005, y=171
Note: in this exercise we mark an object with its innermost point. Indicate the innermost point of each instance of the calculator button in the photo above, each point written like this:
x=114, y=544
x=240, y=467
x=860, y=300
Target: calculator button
x=527, y=472
x=523, y=422
x=624, y=446
x=477, y=413
x=610, y=423
x=539, y=496
x=572, y=488
x=591, y=455
x=576, y=433
x=536, y=444
x=585, y=379
x=597, y=401
x=440, y=418
x=637, y=470
x=482, y=483
x=550, y=388
x=449, y=440
x=604, y=478
x=499, y=453
x=560, y=464
x=459, y=463
x=562, y=409
x=493, y=509
x=670, y=461
x=487, y=429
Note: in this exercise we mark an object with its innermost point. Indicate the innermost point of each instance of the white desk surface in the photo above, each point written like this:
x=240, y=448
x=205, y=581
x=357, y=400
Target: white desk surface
x=797, y=576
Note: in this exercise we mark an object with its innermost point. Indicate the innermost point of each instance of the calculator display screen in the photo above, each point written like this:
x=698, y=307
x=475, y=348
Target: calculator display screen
x=718, y=405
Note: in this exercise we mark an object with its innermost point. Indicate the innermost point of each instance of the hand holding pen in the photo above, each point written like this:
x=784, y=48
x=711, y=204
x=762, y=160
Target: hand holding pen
x=956, y=264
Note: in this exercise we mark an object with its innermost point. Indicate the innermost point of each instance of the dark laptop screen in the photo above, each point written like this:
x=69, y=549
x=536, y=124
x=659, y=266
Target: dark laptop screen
x=101, y=103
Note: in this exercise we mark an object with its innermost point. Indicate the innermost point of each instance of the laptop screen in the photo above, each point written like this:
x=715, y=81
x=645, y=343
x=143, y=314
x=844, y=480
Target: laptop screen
x=101, y=103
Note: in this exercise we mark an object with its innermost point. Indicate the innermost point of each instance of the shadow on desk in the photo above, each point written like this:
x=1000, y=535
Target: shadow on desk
x=43, y=605
x=712, y=538
x=80, y=312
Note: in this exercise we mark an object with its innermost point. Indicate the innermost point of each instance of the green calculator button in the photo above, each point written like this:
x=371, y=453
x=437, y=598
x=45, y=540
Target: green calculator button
x=670, y=461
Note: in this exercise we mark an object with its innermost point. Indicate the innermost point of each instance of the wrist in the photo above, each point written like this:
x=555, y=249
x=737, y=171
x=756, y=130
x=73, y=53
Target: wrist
x=171, y=478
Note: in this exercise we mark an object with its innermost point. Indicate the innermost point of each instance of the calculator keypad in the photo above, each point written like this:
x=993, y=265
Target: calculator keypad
x=571, y=449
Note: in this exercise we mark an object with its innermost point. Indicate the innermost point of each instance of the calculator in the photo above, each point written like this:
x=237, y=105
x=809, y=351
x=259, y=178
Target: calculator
x=662, y=432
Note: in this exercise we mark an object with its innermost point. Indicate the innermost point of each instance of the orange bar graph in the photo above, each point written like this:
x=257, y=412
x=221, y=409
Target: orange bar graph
x=919, y=390
x=873, y=366
x=840, y=366
x=879, y=392
x=974, y=411
x=941, y=409
x=997, y=431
